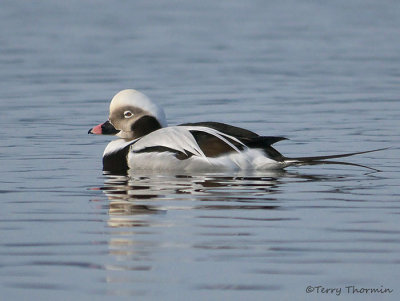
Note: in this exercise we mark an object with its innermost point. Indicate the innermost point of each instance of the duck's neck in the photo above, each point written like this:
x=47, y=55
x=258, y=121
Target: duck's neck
x=145, y=125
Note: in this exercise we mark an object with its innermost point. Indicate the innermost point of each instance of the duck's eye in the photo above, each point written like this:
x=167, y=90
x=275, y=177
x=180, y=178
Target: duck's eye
x=128, y=114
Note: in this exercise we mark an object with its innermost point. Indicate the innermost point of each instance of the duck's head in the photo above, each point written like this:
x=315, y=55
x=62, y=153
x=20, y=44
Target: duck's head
x=132, y=115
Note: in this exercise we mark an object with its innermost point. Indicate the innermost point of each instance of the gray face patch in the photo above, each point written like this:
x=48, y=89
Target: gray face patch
x=118, y=120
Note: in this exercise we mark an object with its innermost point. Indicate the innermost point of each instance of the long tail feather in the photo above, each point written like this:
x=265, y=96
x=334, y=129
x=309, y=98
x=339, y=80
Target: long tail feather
x=337, y=163
x=320, y=159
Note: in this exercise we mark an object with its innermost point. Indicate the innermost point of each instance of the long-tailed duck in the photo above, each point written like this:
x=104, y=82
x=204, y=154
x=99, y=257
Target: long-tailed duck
x=146, y=142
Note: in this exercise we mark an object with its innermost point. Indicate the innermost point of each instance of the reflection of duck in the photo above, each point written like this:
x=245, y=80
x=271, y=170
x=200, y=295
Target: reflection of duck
x=147, y=143
x=133, y=198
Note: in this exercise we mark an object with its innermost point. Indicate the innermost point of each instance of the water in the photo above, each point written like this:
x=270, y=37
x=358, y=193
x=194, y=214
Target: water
x=325, y=75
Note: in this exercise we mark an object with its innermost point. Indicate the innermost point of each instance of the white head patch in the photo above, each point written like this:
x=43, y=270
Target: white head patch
x=130, y=97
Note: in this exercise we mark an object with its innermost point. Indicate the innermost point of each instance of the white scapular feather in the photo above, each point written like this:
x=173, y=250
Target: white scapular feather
x=179, y=138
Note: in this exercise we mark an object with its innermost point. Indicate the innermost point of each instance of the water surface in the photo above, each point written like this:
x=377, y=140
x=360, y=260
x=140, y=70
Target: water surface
x=325, y=75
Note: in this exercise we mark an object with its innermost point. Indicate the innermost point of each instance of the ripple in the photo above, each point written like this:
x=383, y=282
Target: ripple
x=37, y=286
x=239, y=287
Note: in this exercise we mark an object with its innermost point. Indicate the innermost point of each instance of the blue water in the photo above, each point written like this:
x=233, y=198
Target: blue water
x=324, y=74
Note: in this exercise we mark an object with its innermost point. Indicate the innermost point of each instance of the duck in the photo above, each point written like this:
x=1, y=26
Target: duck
x=146, y=142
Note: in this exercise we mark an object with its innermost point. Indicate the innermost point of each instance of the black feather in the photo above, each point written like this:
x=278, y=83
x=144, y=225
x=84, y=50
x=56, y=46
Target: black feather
x=311, y=160
x=224, y=128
